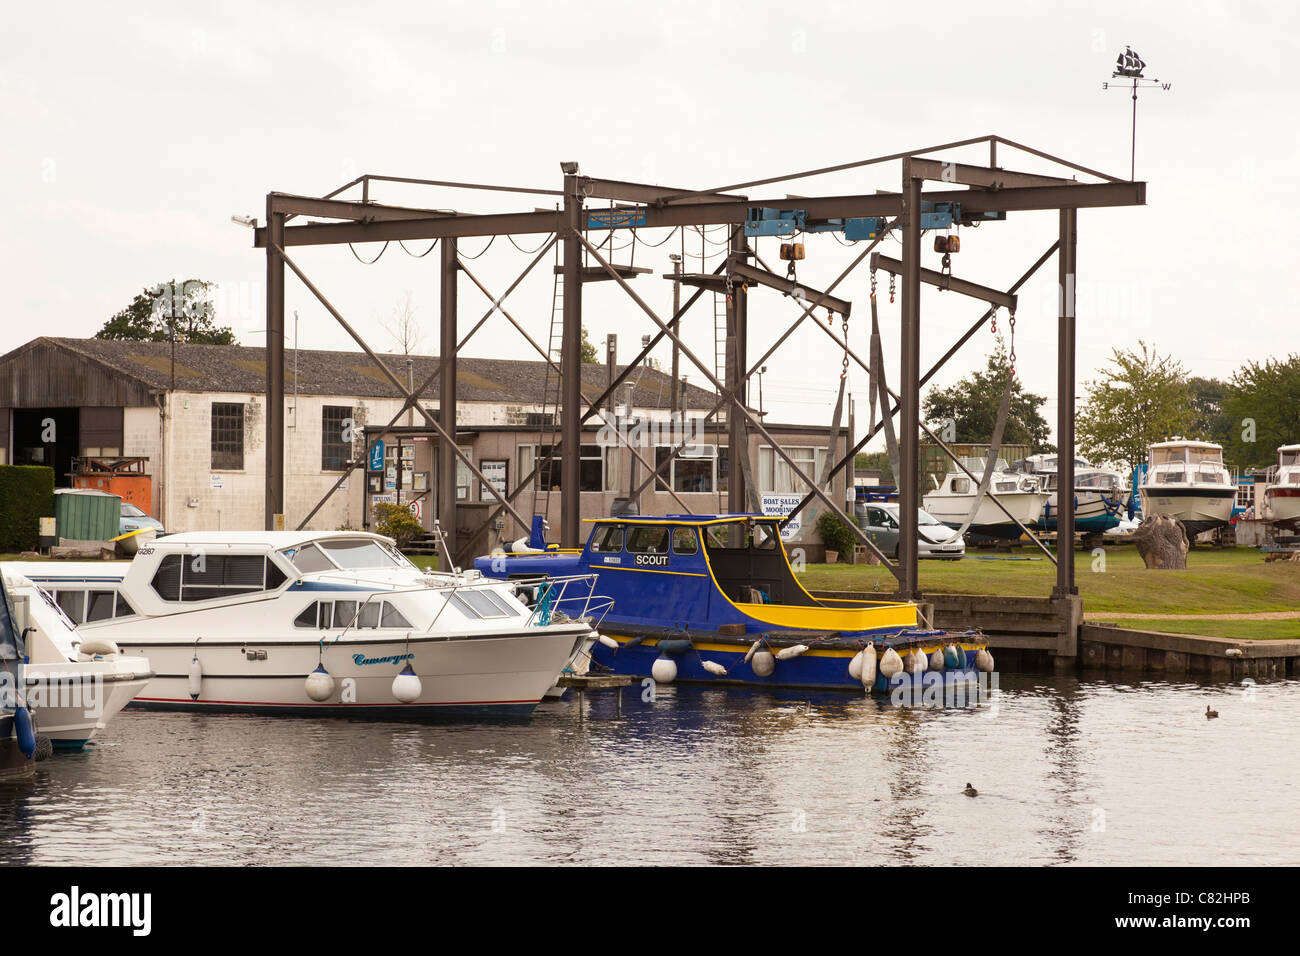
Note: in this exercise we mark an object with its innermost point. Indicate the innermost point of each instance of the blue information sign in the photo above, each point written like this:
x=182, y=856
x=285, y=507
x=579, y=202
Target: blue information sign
x=377, y=455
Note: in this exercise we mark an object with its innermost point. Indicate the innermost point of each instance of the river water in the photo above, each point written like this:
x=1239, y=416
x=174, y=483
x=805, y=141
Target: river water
x=1069, y=771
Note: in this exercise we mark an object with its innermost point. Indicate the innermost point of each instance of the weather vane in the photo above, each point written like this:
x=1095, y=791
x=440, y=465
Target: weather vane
x=1130, y=66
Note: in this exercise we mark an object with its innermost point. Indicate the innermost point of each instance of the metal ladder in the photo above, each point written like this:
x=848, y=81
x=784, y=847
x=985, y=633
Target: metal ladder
x=720, y=336
x=546, y=432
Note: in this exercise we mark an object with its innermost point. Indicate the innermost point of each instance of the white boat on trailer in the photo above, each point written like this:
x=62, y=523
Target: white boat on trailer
x=335, y=623
x=954, y=501
x=1187, y=480
x=1282, y=497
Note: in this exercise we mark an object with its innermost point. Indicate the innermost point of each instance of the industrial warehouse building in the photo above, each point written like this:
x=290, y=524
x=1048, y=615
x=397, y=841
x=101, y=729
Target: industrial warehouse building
x=197, y=418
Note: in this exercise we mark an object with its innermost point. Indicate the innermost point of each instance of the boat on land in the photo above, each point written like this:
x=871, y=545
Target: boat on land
x=1100, y=501
x=75, y=686
x=1187, y=480
x=954, y=501
x=1282, y=498
x=713, y=598
x=330, y=623
x=17, y=723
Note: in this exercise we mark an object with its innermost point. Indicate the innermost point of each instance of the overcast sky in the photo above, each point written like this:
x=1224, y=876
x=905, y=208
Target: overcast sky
x=128, y=139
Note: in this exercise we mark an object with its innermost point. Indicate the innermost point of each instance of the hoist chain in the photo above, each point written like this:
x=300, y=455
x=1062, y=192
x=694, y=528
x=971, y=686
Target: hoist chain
x=1011, y=321
x=891, y=288
x=844, y=363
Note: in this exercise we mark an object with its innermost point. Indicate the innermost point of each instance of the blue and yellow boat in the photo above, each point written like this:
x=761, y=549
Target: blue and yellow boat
x=713, y=598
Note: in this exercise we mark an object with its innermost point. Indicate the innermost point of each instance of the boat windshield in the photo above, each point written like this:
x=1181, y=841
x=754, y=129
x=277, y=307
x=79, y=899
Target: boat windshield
x=740, y=535
x=1288, y=456
x=350, y=554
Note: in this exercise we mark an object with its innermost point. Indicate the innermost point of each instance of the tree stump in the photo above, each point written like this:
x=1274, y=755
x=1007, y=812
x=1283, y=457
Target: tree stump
x=1162, y=542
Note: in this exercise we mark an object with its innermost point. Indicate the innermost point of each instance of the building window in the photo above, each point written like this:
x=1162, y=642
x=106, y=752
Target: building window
x=694, y=471
x=597, y=468
x=227, y=436
x=335, y=437
x=777, y=477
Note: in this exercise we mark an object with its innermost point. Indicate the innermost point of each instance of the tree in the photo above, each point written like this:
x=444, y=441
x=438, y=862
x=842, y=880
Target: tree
x=876, y=461
x=403, y=326
x=589, y=354
x=1142, y=399
x=1262, y=411
x=972, y=404
x=181, y=308
x=1209, y=420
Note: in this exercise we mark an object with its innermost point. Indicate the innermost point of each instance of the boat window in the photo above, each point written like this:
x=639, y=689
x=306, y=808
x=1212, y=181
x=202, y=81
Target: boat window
x=309, y=560
x=344, y=613
x=100, y=606
x=1294, y=479
x=356, y=554
x=308, y=616
x=167, y=579
x=685, y=541
x=648, y=539
x=1169, y=477
x=274, y=576
x=208, y=576
x=73, y=604
x=124, y=609
x=961, y=486
x=369, y=616
x=1006, y=486
x=765, y=536
x=326, y=612
x=725, y=537
x=607, y=539
x=392, y=617
x=480, y=604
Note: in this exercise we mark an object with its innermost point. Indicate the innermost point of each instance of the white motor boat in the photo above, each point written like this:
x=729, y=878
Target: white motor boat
x=1282, y=498
x=1187, y=480
x=1100, y=500
x=75, y=685
x=953, y=500
x=334, y=622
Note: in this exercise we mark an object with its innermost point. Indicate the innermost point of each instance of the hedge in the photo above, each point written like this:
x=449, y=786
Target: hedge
x=26, y=496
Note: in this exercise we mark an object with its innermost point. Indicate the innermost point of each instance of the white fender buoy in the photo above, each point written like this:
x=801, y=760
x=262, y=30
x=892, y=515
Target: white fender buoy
x=713, y=667
x=319, y=684
x=607, y=641
x=196, y=677
x=936, y=659
x=984, y=660
x=909, y=662
x=786, y=653
x=763, y=664
x=95, y=646
x=664, y=670
x=891, y=665
x=855, y=666
x=921, y=663
x=869, y=666
x=753, y=649
x=406, y=685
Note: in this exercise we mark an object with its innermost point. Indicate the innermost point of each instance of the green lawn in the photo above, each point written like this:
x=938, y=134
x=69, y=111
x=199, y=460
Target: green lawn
x=1237, y=630
x=1216, y=581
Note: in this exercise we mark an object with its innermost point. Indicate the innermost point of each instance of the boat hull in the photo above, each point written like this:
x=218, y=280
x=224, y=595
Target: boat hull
x=826, y=668
x=990, y=521
x=481, y=675
x=1283, y=506
x=1199, y=509
x=1092, y=513
x=75, y=700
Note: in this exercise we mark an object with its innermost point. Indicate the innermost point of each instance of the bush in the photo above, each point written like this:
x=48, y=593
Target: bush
x=397, y=522
x=26, y=496
x=835, y=534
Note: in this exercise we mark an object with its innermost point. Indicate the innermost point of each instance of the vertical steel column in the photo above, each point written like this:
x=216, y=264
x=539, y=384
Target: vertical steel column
x=274, y=496
x=1065, y=407
x=737, y=321
x=447, y=461
x=571, y=368
x=909, y=387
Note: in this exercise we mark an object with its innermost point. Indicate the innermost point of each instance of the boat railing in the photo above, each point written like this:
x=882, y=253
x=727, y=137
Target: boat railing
x=553, y=592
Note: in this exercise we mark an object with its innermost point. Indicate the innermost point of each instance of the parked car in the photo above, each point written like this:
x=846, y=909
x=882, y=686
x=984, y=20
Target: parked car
x=879, y=519
x=133, y=519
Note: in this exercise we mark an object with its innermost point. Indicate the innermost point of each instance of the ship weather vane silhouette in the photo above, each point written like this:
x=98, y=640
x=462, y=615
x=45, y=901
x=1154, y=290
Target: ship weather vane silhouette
x=1129, y=66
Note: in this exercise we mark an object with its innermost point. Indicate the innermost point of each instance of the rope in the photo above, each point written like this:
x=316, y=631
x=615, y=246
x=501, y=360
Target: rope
x=422, y=254
x=529, y=252
x=372, y=261
x=483, y=250
x=656, y=245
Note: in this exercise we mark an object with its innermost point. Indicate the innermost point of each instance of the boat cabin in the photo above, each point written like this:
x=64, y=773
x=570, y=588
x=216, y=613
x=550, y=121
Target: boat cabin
x=1183, y=462
x=1288, y=465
